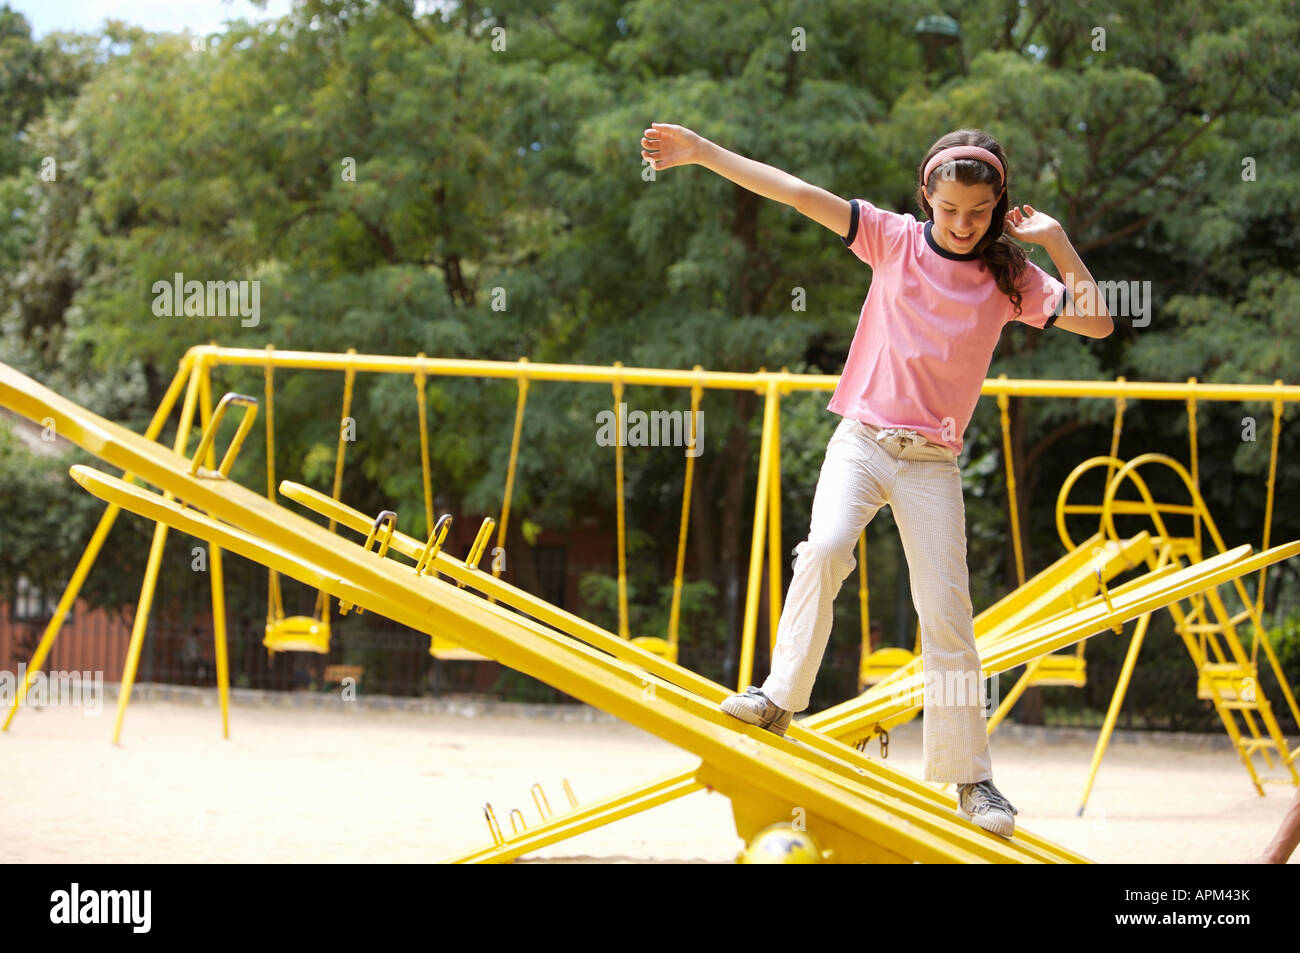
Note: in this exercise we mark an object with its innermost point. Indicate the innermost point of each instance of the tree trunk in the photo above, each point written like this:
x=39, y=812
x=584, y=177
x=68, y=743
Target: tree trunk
x=1029, y=710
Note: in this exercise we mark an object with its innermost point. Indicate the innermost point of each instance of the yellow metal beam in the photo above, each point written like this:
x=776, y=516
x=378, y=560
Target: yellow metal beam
x=767, y=778
x=217, y=579
x=723, y=380
x=762, y=508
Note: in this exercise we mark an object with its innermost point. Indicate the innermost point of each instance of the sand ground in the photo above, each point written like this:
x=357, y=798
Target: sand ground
x=302, y=785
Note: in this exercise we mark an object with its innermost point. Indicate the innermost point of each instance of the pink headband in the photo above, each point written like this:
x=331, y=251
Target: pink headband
x=962, y=152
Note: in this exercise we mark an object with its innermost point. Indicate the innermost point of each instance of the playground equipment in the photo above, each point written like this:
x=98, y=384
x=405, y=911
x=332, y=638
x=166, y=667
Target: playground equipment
x=677, y=693
x=1226, y=676
x=857, y=809
x=610, y=672
x=193, y=380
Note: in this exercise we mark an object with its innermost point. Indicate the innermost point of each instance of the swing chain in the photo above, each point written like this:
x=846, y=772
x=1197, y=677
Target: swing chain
x=884, y=741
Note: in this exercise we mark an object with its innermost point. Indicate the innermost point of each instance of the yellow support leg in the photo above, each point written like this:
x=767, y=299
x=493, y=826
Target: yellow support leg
x=217, y=577
x=65, y=604
x=219, y=640
x=1013, y=696
x=138, y=626
x=141, y=621
x=91, y=552
x=761, y=505
x=1281, y=680
x=774, y=533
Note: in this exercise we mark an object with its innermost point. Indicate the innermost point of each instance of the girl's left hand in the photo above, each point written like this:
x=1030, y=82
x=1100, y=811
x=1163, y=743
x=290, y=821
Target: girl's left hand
x=1037, y=228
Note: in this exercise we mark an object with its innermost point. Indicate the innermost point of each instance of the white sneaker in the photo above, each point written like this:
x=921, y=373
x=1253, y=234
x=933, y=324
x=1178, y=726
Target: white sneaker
x=985, y=805
x=755, y=708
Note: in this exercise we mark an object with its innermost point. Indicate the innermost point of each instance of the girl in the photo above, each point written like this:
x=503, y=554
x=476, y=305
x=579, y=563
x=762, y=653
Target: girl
x=940, y=294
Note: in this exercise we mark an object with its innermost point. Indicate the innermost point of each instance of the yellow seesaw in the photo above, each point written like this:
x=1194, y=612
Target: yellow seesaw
x=1031, y=620
x=857, y=809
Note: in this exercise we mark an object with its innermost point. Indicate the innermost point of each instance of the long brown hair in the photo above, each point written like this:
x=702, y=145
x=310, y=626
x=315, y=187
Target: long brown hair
x=1003, y=257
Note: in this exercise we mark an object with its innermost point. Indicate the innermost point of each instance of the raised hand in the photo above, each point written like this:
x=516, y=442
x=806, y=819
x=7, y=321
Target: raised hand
x=1037, y=228
x=666, y=145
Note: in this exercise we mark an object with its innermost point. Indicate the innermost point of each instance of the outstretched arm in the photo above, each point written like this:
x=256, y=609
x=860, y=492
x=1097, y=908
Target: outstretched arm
x=667, y=145
x=1092, y=320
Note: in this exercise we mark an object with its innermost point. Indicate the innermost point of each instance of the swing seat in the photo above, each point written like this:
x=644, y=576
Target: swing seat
x=1058, y=669
x=298, y=633
x=660, y=647
x=1235, y=683
x=882, y=663
x=448, y=651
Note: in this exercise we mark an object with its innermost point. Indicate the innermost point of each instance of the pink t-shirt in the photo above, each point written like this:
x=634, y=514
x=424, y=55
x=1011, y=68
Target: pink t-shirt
x=928, y=328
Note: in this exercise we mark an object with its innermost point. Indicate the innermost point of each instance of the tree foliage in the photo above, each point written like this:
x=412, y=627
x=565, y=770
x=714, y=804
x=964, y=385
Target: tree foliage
x=390, y=177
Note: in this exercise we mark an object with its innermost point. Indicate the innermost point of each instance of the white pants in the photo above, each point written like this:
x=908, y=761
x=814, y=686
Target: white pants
x=865, y=469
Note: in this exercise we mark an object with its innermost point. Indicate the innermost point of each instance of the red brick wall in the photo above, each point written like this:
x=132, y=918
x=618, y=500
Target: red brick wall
x=94, y=640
